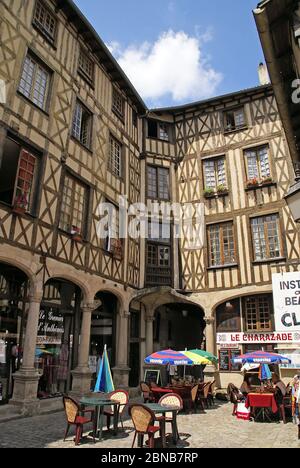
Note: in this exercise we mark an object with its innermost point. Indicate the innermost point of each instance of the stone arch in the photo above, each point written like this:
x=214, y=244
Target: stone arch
x=86, y=293
x=230, y=297
x=25, y=267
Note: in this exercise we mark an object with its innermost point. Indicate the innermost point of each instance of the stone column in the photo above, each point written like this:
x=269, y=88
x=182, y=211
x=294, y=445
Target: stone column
x=82, y=375
x=121, y=369
x=26, y=380
x=149, y=334
x=211, y=372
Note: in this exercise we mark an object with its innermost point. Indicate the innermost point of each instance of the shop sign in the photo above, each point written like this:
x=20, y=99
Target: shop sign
x=257, y=338
x=93, y=360
x=286, y=293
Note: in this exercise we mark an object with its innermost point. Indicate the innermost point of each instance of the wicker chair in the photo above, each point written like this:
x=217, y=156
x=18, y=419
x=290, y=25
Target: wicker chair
x=173, y=400
x=147, y=394
x=143, y=420
x=72, y=410
x=123, y=398
x=203, y=396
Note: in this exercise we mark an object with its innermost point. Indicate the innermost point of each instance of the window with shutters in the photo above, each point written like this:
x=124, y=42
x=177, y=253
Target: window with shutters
x=215, y=173
x=258, y=163
x=158, y=183
x=266, y=236
x=86, y=66
x=221, y=240
x=18, y=174
x=73, y=214
x=35, y=82
x=82, y=125
x=234, y=119
x=115, y=157
x=45, y=21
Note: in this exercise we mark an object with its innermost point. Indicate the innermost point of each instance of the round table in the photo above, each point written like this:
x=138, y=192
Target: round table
x=159, y=409
x=100, y=404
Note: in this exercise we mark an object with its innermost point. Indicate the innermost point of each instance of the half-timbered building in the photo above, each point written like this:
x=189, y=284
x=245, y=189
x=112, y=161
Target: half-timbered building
x=74, y=134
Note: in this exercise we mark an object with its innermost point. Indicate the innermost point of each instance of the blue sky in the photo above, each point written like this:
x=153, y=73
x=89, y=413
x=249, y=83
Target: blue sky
x=175, y=51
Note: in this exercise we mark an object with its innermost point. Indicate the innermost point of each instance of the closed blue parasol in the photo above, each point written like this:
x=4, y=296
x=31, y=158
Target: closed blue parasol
x=104, y=382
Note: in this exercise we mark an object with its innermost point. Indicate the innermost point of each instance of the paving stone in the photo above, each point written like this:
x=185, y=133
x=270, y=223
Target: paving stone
x=215, y=429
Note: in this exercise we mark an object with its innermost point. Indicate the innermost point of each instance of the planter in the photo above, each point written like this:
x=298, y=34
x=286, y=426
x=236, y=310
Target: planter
x=77, y=238
x=267, y=183
x=223, y=193
x=209, y=195
x=19, y=210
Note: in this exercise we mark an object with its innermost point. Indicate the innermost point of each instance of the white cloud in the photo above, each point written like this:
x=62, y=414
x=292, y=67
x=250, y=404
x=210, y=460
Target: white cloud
x=174, y=66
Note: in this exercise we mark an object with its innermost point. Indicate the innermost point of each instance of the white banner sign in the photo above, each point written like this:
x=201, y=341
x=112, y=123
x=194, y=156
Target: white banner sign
x=286, y=293
x=257, y=338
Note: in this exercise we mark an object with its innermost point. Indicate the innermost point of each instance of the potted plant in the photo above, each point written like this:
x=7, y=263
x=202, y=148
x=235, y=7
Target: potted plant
x=222, y=189
x=252, y=183
x=20, y=204
x=76, y=234
x=267, y=180
x=209, y=192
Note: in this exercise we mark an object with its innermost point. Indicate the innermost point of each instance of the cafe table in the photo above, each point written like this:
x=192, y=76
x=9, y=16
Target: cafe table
x=100, y=404
x=163, y=410
x=158, y=392
x=265, y=402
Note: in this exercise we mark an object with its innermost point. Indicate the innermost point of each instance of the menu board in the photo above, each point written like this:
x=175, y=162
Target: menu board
x=152, y=376
x=225, y=360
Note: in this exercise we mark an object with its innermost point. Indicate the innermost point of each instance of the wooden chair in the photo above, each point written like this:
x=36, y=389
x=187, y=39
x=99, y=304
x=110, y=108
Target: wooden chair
x=173, y=400
x=211, y=393
x=72, y=410
x=190, y=399
x=123, y=398
x=147, y=394
x=143, y=420
x=204, y=396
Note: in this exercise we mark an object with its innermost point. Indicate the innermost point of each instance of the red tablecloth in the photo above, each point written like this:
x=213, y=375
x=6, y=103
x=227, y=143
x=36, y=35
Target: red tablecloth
x=262, y=400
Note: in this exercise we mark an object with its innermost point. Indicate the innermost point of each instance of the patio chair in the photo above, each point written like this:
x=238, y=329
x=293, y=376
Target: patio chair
x=203, y=396
x=147, y=394
x=143, y=420
x=153, y=385
x=73, y=411
x=211, y=393
x=173, y=400
x=121, y=396
x=190, y=399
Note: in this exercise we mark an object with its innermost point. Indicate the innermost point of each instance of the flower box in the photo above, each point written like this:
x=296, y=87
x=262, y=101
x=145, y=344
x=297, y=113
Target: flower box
x=76, y=234
x=222, y=190
x=209, y=193
x=252, y=183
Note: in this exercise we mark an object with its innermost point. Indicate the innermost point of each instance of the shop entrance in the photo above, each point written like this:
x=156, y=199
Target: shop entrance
x=103, y=331
x=58, y=337
x=13, y=299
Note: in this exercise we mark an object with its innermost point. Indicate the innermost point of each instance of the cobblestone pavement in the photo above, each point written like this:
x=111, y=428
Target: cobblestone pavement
x=215, y=429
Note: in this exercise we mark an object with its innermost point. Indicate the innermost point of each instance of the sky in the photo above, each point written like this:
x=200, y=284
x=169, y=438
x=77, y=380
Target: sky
x=178, y=51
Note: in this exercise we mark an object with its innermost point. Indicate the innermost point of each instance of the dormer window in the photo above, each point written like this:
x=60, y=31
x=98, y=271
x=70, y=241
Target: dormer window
x=159, y=130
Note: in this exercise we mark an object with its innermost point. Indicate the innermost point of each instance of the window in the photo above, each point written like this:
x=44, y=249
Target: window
x=221, y=244
x=45, y=21
x=215, y=173
x=74, y=206
x=159, y=130
x=82, y=125
x=115, y=157
x=35, y=82
x=266, y=237
x=229, y=317
x=112, y=242
x=134, y=118
x=258, y=313
x=158, y=183
x=234, y=119
x=258, y=164
x=18, y=173
x=86, y=65
x=118, y=103
x=158, y=255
